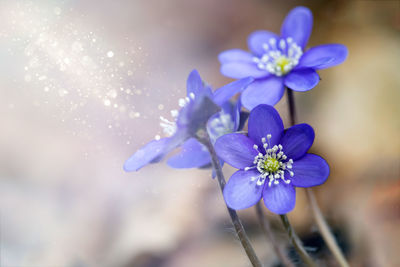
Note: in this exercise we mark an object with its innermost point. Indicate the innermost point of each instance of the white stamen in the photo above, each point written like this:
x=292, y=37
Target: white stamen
x=279, y=59
x=220, y=125
x=272, y=165
x=170, y=127
x=174, y=113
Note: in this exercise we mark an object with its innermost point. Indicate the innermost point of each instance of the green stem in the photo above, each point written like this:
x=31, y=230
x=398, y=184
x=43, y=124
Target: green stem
x=296, y=242
x=318, y=217
x=266, y=227
x=244, y=240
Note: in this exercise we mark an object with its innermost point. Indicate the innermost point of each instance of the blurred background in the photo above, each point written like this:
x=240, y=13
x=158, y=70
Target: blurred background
x=83, y=83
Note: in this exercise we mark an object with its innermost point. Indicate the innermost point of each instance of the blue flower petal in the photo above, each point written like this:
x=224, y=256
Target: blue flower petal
x=241, y=192
x=236, y=115
x=302, y=79
x=324, y=56
x=150, y=153
x=297, y=140
x=298, y=25
x=224, y=93
x=194, y=83
x=265, y=120
x=280, y=198
x=257, y=39
x=236, y=150
x=238, y=70
x=235, y=55
x=192, y=155
x=263, y=91
x=310, y=170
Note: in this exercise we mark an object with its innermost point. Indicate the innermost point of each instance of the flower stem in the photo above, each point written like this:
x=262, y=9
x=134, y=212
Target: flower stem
x=244, y=239
x=324, y=229
x=297, y=242
x=266, y=227
x=292, y=107
x=318, y=217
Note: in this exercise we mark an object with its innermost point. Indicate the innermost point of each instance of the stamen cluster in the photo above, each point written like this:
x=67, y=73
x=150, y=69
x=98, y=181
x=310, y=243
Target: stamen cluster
x=272, y=164
x=279, y=57
x=220, y=125
x=170, y=127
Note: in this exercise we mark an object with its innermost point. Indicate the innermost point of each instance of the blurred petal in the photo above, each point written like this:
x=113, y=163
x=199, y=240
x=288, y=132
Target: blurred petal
x=236, y=115
x=265, y=120
x=324, y=56
x=192, y=155
x=238, y=70
x=236, y=150
x=151, y=152
x=310, y=170
x=235, y=55
x=280, y=198
x=226, y=92
x=263, y=91
x=194, y=84
x=302, y=79
x=298, y=25
x=241, y=192
x=297, y=140
x=257, y=39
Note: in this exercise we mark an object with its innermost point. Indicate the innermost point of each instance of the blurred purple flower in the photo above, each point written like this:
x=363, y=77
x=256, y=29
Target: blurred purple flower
x=199, y=111
x=279, y=61
x=272, y=162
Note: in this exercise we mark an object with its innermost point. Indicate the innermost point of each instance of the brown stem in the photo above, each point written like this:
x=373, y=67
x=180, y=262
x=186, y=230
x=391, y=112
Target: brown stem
x=244, y=240
x=266, y=227
x=318, y=217
x=297, y=242
x=324, y=230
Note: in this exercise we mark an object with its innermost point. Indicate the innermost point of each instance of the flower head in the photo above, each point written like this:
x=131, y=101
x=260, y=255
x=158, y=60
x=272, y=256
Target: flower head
x=278, y=61
x=199, y=112
x=272, y=162
x=194, y=154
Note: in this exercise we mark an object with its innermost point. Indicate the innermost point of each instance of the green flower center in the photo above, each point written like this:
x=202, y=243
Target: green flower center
x=271, y=165
x=283, y=63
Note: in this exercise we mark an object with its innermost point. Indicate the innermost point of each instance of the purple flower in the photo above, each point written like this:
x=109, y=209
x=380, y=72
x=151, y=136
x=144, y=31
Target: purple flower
x=279, y=61
x=272, y=162
x=199, y=111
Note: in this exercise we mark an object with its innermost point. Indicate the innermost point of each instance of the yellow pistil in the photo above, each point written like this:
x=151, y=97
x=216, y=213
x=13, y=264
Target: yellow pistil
x=282, y=62
x=271, y=165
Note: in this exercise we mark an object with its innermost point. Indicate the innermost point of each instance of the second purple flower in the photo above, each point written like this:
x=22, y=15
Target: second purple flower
x=272, y=162
x=278, y=61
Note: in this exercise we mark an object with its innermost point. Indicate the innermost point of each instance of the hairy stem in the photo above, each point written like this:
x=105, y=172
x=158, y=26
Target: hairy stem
x=296, y=242
x=244, y=239
x=318, y=217
x=266, y=227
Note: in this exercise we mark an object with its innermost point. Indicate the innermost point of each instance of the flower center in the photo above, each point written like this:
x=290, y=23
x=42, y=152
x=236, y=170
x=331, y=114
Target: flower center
x=279, y=57
x=272, y=163
x=170, y=127
x=220, y=125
